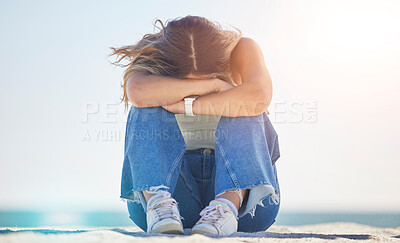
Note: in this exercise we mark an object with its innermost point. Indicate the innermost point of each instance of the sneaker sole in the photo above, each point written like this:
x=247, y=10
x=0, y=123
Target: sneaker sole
x=201, y=232
x=169, y=229
x=173, y=232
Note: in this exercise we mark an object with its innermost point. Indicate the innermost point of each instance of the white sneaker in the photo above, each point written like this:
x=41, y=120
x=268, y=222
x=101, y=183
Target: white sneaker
x=163, y=214
x=219, y=218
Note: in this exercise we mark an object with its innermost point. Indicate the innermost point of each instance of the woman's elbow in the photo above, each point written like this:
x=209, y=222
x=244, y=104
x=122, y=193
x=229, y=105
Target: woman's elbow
x=133, y=93
x=262, y=99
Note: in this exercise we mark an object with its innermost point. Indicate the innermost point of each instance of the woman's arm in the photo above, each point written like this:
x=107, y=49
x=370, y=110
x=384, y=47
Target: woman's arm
x=251, y=98
x=246, y=99
x=146, y=90
x=243, y=100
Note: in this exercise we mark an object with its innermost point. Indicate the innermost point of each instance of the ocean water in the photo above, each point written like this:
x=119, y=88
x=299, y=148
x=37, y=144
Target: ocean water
x=115, y=219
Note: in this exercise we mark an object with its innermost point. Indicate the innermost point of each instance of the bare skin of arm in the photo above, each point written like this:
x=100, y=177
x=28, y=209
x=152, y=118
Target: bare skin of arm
x=146, y=90
x=250, y=98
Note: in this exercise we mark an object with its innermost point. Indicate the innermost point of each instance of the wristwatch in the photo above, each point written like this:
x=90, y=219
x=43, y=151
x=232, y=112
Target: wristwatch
x=189, y=105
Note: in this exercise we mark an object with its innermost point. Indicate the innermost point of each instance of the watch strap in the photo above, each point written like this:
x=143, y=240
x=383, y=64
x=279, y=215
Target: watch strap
x=189, y=105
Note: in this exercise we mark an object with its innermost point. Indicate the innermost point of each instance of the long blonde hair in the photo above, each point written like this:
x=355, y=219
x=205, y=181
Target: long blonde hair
x=185, y=45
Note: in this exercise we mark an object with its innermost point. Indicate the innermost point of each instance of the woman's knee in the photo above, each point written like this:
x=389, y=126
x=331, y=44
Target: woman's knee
x=152, y=121
x=241, y=120
x=146, y=114
x=246, y=123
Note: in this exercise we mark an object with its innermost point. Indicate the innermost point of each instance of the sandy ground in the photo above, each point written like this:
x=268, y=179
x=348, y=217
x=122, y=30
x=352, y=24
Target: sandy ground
x=310, y=233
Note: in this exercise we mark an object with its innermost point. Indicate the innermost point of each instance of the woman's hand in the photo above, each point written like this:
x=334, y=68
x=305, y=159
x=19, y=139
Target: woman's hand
x=223, y=85
x=176, y=108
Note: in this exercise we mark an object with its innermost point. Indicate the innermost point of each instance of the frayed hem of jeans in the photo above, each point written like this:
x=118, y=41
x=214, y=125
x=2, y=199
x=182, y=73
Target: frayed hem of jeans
x=254, y=200
x=135, y=200
x=257, y=194
x=155, y=189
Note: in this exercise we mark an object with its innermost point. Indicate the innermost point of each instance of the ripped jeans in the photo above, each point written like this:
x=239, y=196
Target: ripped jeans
x=246, y=149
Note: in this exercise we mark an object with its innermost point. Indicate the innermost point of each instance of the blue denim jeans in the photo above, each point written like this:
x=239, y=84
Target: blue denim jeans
x=246, y=149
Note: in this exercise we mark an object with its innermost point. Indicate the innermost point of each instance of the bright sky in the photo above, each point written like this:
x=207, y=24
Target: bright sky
x=336, y=108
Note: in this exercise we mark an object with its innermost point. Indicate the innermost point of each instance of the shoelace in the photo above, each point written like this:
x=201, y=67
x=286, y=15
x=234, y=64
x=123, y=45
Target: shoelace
x=211, y=214
x=164, y=207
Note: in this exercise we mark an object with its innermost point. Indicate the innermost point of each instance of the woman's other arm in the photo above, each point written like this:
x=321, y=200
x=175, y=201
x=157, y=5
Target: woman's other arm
x=250, y=98
x=146, y=90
